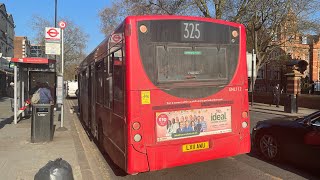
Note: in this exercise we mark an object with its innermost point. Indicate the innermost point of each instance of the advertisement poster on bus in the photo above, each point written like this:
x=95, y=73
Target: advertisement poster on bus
x=191, y=123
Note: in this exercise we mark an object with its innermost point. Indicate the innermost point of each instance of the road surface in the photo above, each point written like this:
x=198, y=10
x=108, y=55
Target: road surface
x=247, y=166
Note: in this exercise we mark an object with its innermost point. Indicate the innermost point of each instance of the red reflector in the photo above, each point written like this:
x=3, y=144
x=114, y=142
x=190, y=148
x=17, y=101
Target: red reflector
x=136, y=125
x=244, y=114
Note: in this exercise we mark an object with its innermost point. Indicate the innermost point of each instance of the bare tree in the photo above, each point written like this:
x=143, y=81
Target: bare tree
x=75, y=39
x=266, y=21
x=272, y=24
x=112, y=16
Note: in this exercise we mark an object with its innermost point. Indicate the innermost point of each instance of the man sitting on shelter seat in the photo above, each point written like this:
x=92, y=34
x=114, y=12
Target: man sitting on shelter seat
x=45, y=94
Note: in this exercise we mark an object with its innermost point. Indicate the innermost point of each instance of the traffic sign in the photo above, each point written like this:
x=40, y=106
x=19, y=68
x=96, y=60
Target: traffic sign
x=62, y=24
x=115, y=38
x=52, y=34
x=52, y=48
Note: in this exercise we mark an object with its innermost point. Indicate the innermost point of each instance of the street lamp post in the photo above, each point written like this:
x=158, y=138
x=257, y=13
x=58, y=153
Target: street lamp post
x=55, y=12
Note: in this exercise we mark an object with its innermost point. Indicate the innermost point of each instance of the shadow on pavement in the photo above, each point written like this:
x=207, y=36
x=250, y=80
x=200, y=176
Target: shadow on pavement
x=305, y=172
x=2, y=99
x=115, y=168
x=274, y=110
x=6, y=121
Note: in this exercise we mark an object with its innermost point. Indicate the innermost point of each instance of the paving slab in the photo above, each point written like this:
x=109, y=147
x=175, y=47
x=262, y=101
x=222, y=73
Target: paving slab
x=21, y=159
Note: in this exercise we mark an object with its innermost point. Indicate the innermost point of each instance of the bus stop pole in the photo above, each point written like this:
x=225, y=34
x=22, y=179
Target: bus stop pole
x=252, y=78
x=62, y=71
x=15, y=92
x=61, y=128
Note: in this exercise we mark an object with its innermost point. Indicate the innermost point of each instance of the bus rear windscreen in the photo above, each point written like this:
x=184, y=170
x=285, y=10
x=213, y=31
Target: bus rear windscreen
x=179, y=55
x=178, y=63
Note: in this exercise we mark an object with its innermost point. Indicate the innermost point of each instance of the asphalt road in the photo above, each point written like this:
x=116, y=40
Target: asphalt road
x=247, y=166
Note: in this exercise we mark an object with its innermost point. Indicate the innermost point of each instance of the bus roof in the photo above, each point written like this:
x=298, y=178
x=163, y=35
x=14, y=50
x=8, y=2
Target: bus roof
x=103, y=46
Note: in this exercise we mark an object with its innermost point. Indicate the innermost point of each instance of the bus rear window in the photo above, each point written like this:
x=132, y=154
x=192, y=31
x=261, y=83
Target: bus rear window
x=178, y=63
x=188, y=59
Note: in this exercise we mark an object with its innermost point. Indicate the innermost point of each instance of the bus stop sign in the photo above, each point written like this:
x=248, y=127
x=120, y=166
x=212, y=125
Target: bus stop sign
x=52, y=34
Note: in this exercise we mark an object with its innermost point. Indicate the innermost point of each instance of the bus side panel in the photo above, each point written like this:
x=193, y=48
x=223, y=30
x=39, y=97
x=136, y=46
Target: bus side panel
x=117, y=156
x=115, y=141
x=136, y=151
x=137, y=162
x=245, y=143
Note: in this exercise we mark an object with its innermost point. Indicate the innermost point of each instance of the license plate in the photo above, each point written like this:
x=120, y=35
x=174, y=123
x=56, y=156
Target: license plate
x=195, y=146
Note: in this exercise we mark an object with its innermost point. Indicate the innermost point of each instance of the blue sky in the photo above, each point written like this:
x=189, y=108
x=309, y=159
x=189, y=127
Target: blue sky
x=84, y=13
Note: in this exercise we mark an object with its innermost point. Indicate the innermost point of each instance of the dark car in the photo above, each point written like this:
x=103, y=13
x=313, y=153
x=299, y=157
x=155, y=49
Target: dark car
x=293, y=139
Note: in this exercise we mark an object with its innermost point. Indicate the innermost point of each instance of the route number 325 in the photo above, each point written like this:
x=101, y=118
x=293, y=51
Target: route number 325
x=192, y=31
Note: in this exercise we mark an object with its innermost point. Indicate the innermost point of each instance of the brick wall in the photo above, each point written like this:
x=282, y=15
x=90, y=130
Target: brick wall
x=18, y=47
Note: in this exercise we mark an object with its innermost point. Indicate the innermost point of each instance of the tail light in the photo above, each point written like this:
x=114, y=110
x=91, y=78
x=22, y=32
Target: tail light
x=244, y=114
x=136, y=125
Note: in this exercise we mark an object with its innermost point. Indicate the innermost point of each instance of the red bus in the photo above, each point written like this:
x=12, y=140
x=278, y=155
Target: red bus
x=165, y=91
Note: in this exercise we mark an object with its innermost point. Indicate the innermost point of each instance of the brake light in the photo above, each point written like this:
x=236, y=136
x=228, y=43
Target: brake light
x=244, y=114
x=136, y=125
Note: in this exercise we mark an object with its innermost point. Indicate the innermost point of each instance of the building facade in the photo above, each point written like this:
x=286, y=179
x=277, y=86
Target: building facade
x=6, y=48
x=22, y=47
x=290, y=45
x=6, y=32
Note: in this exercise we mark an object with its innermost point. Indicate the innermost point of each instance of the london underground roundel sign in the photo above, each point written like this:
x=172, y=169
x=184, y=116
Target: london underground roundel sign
x=62, y=24
x=52, y=34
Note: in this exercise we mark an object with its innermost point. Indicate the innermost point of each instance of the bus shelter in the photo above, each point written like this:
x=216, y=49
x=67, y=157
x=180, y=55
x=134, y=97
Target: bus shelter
x=28, y=73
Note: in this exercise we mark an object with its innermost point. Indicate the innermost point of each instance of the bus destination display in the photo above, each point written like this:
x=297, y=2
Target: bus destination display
x=192, y=31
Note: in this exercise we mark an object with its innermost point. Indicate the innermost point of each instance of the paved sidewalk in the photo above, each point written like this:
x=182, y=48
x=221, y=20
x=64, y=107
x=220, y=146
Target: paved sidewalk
x=21, y=159
x=266, y=108
x=6, y=115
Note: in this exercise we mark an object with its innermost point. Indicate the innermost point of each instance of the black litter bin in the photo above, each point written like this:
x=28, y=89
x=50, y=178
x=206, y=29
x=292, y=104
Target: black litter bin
x=291, y=104
x=42, y=123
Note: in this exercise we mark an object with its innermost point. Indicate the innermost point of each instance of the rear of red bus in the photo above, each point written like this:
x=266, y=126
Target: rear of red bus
x=187, y=91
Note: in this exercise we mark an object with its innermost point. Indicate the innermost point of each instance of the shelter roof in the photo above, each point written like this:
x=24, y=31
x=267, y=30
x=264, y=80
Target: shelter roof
x=33, y=60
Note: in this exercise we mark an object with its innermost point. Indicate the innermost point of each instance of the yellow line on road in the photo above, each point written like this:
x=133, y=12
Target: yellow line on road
x=273, y=177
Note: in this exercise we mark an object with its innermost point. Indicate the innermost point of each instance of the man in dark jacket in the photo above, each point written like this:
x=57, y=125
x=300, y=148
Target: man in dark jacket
x=276, y=95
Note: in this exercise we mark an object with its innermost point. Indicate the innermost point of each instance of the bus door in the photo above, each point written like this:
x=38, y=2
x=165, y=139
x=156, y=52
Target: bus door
x=85, y=111
x=92, y=98
x=118, y=124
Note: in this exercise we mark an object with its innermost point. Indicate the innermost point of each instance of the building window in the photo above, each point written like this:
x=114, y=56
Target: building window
x=276, y=75
x=307, y=57
x=304, y=40
x=260, y=74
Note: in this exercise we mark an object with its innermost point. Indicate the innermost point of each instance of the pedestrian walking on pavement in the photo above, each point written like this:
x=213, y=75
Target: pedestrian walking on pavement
x=276, y=95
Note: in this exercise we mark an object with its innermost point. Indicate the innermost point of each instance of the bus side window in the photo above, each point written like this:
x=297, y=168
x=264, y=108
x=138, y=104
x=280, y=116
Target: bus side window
x=108, y=82
x=118, y=82
x=99, y=82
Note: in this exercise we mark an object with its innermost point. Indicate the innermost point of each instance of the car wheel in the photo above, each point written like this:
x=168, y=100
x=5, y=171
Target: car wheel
x=269, y=147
